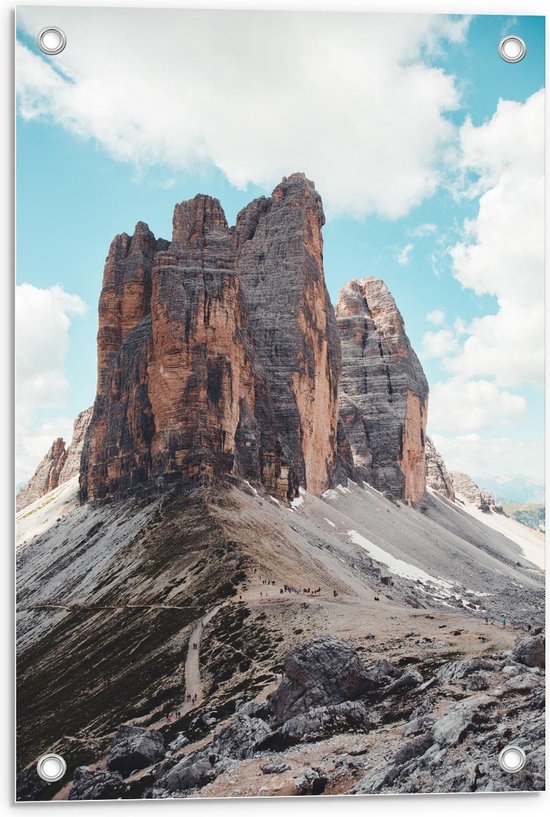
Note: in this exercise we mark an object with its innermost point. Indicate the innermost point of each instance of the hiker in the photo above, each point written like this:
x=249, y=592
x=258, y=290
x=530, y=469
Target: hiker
x=188, y=696
x=335, y=593
x=168, y=717
x=503, y=623
x=179, y=713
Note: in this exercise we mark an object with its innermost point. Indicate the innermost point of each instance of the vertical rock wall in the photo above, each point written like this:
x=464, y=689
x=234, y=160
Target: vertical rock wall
x=383, y=391
x=217, y=352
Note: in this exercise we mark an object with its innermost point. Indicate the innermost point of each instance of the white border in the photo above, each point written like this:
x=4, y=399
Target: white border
x=503, y=805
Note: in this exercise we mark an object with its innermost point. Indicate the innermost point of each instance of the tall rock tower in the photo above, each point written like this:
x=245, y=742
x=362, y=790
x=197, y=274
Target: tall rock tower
x=383, y=392
x=217, y=352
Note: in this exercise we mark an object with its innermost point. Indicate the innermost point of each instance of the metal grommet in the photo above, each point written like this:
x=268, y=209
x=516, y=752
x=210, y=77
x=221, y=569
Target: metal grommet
x=512, y=759
x=51, y=40
x=512, y=48
x=51, y=767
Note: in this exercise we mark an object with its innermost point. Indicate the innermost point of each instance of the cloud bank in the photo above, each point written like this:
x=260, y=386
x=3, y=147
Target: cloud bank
x=350, y=99
x=42, y=321
x=501, y=253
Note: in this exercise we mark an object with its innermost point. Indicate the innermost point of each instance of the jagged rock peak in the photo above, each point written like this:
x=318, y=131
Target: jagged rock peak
x=468, y=490
x=58, y=465
x=383, y=391
x=194, y=219
x=437, y=476
x=218, y=352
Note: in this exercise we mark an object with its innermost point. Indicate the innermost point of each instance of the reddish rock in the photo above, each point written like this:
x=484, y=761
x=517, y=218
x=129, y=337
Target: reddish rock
x=217, y=352
x=383, y=392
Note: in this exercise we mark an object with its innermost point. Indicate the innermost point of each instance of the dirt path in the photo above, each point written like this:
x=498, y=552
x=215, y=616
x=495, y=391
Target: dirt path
x=193, y=683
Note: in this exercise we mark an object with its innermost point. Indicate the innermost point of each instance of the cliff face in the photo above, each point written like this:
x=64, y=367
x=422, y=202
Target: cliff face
x=217, y=352
x=437, y=476
x=58, y=466
x=383, y=391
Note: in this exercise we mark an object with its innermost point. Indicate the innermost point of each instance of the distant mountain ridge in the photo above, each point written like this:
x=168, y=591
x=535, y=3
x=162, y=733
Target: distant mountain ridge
x=516, y=489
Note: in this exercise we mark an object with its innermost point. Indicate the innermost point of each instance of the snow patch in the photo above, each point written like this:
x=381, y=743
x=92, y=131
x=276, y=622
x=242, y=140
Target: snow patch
x=254, y=491
x=395, y=565
x=273, y=499
x=299, y=500
x=332, y=525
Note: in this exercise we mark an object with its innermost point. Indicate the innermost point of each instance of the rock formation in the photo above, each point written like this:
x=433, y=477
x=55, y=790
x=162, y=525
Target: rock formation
x=383, y=391
x=58, y=466
x=437, y=476
x=217, y=352
x=472, y=493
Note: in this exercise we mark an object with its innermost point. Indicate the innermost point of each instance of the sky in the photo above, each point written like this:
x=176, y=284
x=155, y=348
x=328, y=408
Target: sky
x=426, y=147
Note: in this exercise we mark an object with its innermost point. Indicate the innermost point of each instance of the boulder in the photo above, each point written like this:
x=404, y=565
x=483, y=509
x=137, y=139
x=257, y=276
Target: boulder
x=275, y=768
x=239, y=738
x=321, y=672
x=414, y=748
x=529, y=650
x=318, y=723
x=456, y=670
x=88, y=785
x=134, y=748
x=313, y=781
x=193, y=772
x=254, y=709
x=453, y=724
x=409, y=680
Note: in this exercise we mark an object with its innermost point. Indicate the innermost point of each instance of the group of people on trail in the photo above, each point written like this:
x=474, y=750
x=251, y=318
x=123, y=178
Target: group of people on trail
x=191, y=698
x=288, y=588
x=171, y=716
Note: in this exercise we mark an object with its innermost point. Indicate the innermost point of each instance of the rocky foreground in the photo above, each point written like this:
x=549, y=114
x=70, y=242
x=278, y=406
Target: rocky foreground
x=335, y=725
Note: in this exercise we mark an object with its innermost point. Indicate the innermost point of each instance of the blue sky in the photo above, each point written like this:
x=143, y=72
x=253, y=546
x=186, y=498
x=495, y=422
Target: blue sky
x=410, y=191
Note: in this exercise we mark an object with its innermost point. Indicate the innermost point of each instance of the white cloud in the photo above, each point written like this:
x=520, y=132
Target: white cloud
x=403, y=256
x=502, y=251
x=350, y=99
x=42, y=321
x=473, y=405
x=422, y=230
x=500, y=254
x=491, y=457
x=436, y=317
x=439, y=344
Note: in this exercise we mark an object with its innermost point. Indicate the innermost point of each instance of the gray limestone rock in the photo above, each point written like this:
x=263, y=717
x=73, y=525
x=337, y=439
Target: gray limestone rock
x=530, y=650
x=450, y=728
x=437, y=476
x=456, y=670
x=239, y=738
x=318, y=723
x=318, y=673
x=134, y=748
x=383, y=392
x=193, y=772
x=88, y=785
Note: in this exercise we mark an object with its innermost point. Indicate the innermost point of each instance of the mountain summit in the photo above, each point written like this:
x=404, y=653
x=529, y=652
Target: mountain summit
x=219, y=353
